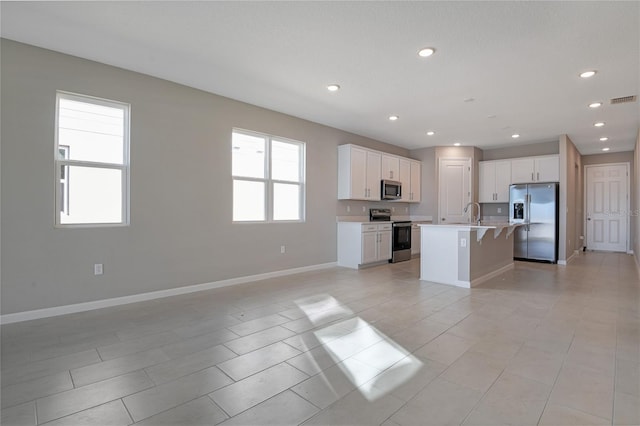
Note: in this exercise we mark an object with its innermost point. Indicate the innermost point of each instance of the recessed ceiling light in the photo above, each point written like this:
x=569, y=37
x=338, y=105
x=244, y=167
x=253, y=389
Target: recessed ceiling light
x=393, y=117
x=515, y=136
x=595, y=105
x=426, y=52
x=431, y=133
x=469, y=99
x=605, y=149
x=599, y=124
x=457, y=144
x=588, y=74
x=333, y=87
x=604, y=139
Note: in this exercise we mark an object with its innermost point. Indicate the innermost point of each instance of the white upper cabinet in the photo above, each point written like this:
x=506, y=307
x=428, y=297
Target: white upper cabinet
x=535, y=169
x=358, y=173
x=410, y=176
x=547, y=169
x=373, y=175
x=390, y=167
x=494, y=181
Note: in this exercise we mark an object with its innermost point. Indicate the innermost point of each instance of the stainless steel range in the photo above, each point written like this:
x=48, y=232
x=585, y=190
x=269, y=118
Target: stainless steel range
x=401, y=241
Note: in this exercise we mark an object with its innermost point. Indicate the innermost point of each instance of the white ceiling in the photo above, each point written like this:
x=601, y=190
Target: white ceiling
x=519, y=61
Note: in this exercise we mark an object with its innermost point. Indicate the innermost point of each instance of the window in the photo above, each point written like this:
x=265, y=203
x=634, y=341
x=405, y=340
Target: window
x=92, y=161
x=268, y=178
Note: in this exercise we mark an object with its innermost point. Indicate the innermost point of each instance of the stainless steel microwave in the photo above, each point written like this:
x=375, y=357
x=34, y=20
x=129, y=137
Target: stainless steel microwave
x=390, y=190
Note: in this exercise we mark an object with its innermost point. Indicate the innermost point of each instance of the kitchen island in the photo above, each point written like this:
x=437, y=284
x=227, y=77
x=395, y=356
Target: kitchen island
x=465, y=255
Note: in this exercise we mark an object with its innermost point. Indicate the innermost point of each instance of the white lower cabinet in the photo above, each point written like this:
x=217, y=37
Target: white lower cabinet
x=362, y=243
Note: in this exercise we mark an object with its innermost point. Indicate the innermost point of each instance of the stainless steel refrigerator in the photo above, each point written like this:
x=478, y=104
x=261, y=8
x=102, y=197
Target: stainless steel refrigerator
x=535, y=205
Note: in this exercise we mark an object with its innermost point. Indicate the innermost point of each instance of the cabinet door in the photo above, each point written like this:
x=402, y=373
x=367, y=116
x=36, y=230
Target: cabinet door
x=373, y=175
x=358, y=174
x=487, y=182
x=405, y=179
x=390, y=167
x=503, y=180
x=416, y=183
x=548, y=169
x=522, y=170
x=369, y=247
x=384, y=245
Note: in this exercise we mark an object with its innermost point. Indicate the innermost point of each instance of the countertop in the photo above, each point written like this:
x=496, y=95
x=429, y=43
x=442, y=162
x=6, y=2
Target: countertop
x=481, y=229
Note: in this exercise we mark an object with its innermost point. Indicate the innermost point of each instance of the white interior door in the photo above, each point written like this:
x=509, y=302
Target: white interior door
x=454, y=190
x=607, y=198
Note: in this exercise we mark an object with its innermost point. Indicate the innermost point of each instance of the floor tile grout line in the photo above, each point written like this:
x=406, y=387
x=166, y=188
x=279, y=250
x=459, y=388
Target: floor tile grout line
x=484, y=394
x=127, y=410
x=219, y=406
x=564, y=359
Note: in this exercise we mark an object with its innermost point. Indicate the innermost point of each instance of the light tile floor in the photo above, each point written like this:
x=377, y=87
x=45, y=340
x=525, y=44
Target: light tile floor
x=542, y=344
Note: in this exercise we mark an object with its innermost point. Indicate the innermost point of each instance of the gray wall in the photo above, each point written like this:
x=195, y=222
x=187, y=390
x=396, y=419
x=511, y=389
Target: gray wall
x=635, y=190
x=529, y=150
x=614, y=157
x=571, y=196
x=181, y=231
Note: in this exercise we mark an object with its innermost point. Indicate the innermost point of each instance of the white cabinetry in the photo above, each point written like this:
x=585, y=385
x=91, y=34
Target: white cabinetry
x=494, y=181
x=358, y=173
x=361, y=243
x=410, y=175
x=390, y=167
x=535, y=169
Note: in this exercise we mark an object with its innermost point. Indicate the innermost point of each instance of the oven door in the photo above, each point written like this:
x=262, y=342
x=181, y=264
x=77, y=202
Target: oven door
x=401, y=236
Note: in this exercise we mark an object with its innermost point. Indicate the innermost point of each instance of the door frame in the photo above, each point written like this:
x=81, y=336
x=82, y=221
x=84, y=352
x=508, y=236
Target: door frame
x=627, y=207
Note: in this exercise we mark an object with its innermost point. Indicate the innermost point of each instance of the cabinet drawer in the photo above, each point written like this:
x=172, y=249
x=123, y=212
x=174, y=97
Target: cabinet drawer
x=369, y=228
x=385, y=227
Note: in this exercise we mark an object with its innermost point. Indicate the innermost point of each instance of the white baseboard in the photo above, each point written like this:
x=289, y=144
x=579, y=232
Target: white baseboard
x=141, y=297
x=564, y=262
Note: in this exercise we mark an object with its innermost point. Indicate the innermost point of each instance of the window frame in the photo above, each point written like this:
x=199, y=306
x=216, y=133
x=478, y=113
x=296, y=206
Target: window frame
x=68, y=163
x=269, y=182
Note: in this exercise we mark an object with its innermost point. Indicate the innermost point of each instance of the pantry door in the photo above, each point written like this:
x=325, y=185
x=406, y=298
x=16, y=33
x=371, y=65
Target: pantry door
x=454, y=189
x=607, y=206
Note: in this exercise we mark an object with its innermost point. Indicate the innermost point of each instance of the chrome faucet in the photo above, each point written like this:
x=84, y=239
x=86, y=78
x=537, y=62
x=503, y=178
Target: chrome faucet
x=472, y=217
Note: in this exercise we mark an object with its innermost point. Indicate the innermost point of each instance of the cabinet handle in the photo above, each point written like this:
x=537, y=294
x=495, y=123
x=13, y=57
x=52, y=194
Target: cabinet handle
x=391, y=174
x=531, y=175
x=538, y=176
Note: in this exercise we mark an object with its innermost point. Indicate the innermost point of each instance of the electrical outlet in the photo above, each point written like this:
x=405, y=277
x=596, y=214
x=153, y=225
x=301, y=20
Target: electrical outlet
x=348, y=209
x=283, y=249
x=406, y=209
x=499, y=209
x=364, y=209
x=97, y=269
x=463, y=242
x=393, y=209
